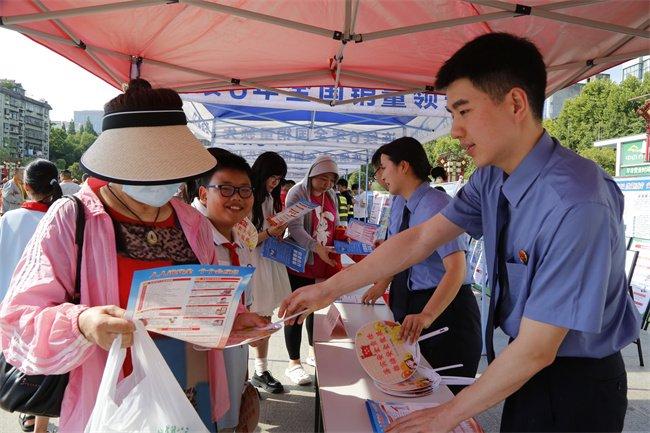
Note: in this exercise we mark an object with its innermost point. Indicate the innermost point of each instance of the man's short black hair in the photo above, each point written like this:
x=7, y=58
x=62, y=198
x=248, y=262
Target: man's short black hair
x=355, y=186
x=496, y=63
x=225, y=160
x=66, y=173
x=342, y=182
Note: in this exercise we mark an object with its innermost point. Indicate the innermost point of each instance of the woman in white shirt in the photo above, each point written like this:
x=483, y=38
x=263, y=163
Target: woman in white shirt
x=16, y=229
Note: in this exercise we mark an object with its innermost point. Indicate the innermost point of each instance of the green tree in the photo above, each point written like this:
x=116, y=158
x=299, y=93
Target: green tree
x=80, y=142
x=602, y=110
x=88, y=127
x=5, y=155
x=75, y=170
x=603, y=156
x=361, y=180
x=71, y=128
x=11, y=85
x=446, y=148
x=61, y=164
x=60, y=147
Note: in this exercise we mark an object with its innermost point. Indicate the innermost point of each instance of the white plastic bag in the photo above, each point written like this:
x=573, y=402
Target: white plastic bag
x=148, y=400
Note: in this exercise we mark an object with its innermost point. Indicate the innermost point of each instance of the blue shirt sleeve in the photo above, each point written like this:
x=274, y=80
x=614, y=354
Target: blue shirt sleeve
x=465, y=209
x=458, y=244
x=569, y=288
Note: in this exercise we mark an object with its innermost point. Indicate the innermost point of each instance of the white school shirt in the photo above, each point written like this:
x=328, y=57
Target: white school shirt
x=16, y=229
x=223, y=253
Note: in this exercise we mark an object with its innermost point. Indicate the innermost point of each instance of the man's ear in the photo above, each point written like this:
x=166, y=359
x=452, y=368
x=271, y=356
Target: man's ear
x=203, y=195
x=519, y=101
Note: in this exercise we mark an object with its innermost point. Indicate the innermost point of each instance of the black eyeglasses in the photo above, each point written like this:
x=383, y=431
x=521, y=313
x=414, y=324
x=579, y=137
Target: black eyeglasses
x=229, y=190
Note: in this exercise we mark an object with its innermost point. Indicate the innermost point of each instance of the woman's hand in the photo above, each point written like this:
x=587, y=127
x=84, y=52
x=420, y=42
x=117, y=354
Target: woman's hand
x=375, y=292
x=277, y=231
x=249, y=320
x=100, y=325
x=413, y=325
x=324, y=253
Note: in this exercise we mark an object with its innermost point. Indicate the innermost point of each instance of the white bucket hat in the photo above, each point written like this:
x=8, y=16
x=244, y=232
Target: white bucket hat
x=150, y=147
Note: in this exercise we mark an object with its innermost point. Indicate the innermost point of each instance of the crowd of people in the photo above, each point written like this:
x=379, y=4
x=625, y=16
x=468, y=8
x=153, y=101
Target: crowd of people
x=154, y=196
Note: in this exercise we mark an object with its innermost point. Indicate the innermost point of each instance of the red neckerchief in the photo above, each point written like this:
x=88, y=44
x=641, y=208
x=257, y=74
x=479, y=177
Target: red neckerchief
x=234, y=260
x=232, y=250
x=35, y=205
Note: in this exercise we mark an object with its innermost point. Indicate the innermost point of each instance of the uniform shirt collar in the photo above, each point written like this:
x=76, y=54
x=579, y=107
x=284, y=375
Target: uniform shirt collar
x=220, y=239
x=414, y=200
x=516, y=185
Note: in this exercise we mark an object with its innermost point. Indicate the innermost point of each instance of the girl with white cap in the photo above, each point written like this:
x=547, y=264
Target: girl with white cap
x=132, y=223
x=314, y=232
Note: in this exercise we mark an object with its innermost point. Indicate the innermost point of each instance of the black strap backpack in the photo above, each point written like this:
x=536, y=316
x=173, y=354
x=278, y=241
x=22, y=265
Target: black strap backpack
x=38, y=394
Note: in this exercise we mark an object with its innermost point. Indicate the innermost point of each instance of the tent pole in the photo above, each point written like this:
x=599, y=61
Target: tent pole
x=398, y=83
x=78, y=42
x=359, y=178
x=75, y=12
x=617, y=46
x=350, y=21
x=545, y=13
x=367, y=163
x=243, y=13
x=381, y=34
x=461, y=21
x=600, y=60
x=64, y=41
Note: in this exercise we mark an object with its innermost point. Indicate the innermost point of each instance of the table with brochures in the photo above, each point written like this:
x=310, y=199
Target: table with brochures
x=342, y=384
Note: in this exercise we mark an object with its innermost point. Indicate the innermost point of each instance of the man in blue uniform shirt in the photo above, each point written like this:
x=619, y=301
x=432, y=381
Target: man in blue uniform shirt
x=553, y=231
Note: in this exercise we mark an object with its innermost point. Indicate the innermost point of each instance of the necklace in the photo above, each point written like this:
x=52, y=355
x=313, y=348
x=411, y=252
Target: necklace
x=151, y=236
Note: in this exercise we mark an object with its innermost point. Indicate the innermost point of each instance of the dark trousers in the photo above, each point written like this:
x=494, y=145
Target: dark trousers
x=570, y=395
x=293, y=333
x=461, y=344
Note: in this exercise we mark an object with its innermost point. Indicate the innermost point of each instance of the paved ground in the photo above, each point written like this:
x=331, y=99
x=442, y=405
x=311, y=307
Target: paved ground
x=294, y=410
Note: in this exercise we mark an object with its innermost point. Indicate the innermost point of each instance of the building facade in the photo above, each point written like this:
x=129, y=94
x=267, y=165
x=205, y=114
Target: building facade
x=636, y=68
x=24, y=124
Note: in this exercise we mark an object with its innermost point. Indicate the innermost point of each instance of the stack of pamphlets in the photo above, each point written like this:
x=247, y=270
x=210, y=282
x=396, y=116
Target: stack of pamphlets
x=383, y=413
x=417, y=385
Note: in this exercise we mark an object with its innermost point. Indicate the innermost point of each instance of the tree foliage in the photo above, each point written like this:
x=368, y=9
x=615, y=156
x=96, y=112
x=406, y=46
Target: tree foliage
x=11, y=85
x=66, y=148
x=88, y=127
x=446, y=148
x=71, y=128
x=602, y=110
x=603, y=156
x=75, y=171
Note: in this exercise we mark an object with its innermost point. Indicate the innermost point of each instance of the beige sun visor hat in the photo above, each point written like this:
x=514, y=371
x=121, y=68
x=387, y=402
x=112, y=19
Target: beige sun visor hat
x=148, y=147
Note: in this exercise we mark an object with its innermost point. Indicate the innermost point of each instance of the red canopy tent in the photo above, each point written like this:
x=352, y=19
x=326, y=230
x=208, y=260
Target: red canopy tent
x=199, y=45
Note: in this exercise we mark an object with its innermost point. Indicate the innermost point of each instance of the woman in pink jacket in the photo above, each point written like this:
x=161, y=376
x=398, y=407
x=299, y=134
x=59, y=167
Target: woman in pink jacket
x=132, y=223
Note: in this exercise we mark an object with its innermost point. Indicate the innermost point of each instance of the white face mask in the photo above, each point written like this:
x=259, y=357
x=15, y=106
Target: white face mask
x=153, y=195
